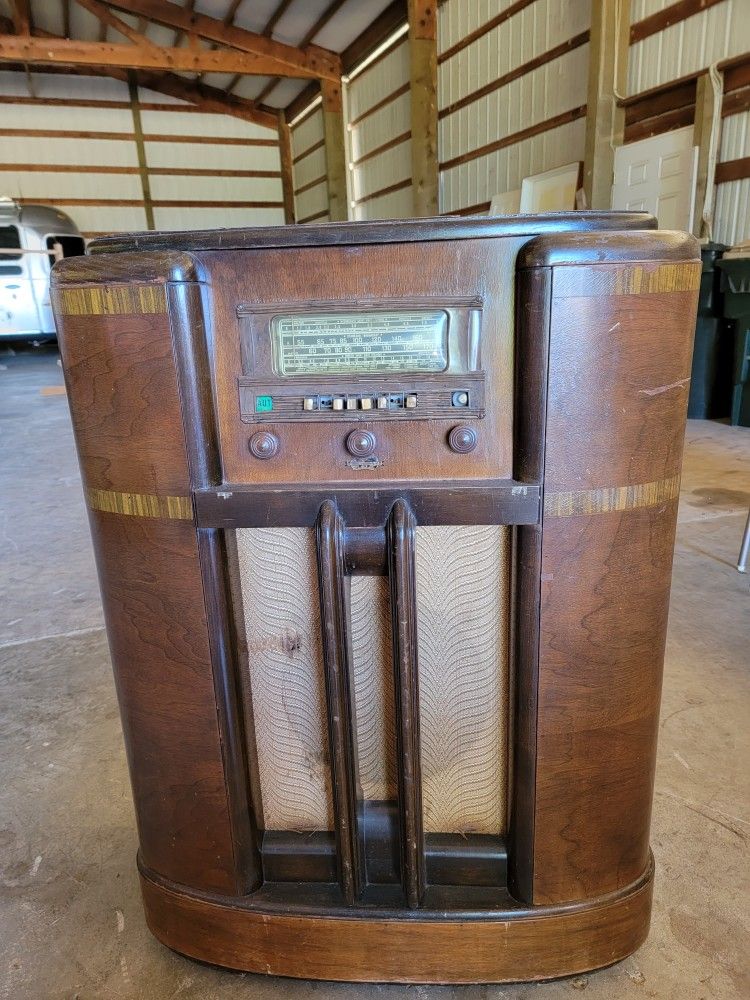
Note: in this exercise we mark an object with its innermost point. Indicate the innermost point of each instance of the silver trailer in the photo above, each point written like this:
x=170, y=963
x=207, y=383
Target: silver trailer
x=32, y=238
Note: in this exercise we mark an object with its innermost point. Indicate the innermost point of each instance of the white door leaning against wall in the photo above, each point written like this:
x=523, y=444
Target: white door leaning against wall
x=658, y=175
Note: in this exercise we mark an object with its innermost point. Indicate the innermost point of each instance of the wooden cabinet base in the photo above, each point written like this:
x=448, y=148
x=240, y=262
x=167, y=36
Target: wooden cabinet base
x=514, y=945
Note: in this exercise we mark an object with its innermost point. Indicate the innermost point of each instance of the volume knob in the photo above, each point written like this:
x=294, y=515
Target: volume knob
x=264, y=444
x=360, y=443
x=462, y=439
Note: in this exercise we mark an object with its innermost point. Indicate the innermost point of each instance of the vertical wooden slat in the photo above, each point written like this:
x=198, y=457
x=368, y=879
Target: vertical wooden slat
x=605, y=121
x=706, y=100
x=424, y=114
x=287, y=176
x=402, y=573
x=140, y=149
x=339, y=698
x=333, y=130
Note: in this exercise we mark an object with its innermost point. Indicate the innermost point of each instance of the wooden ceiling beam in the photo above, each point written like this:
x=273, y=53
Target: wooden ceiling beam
x=209, y=99
x=311, y=61
x=17, y=48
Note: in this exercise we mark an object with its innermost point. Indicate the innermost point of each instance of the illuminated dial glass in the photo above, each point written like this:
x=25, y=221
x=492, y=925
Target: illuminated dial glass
x=408, y=340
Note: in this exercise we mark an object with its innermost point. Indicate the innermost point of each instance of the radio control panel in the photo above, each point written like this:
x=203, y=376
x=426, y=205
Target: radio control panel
x=322, y=361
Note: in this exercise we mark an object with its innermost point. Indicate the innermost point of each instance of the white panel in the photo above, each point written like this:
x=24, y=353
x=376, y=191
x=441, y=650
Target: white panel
x=59, y=186
x=735, y=137
x=552, y=89
x=211, y=156
x=386, y=123
x=191, y=123
x=310, y=168
x=237, y=189
x=67, y=119
x=732, y=212
x=46, y=85
x=398, y=205
x=393, y=165
x=374, y=83
x=216, y=218
x=107, y=219
x=91, y=152
x=390, y=167
x=692, y=45
x=308, y=132
x=305, y=135
x=479, y=180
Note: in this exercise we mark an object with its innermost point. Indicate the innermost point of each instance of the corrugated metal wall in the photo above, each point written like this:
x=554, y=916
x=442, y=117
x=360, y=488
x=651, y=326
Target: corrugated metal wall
x=204, y=170
x=691, y=45
x=379, y=131
x=732, y=206
x=498, y=88
x=309, y=167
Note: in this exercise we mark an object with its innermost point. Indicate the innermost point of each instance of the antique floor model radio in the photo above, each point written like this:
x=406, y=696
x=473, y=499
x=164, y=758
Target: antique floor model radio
x=384, y=518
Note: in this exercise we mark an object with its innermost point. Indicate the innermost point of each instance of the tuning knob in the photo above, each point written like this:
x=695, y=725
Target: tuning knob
x=360, y=443
x=462, y=439
x=264, y=444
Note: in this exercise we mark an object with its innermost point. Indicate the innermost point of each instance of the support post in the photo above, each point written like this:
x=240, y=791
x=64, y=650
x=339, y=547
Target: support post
x=707, y=109
x=287, y=176
x=424, y=116
x=333, y=131
x=140, y=149
x=605, y=121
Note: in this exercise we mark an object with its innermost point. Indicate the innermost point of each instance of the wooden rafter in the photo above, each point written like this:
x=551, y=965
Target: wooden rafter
x=310, y=61
x=209, y=99
x=15, y=48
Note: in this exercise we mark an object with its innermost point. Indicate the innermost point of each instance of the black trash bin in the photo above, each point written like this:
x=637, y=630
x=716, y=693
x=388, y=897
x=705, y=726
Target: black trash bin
x=735, y=285
x=711, y=376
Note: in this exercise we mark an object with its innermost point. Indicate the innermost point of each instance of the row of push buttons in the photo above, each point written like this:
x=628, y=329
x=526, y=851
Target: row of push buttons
x=393, y=401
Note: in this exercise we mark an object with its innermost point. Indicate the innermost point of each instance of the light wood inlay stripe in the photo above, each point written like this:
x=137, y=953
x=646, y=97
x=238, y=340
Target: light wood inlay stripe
x=140, y=504
x=642, y=280
x=635, y=279
x=113, y=300
x=611, y=499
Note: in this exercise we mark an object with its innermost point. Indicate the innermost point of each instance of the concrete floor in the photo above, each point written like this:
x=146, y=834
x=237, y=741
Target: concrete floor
x=70, y=915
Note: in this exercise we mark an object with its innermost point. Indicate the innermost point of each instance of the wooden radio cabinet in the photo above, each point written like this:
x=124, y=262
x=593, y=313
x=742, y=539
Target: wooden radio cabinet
x=384, y=518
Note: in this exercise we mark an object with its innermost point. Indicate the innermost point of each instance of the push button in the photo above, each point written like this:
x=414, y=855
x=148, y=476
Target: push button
x=309, y=403
x=410, y=402
x=338, y=402
x=382, y=402
x=365, y=403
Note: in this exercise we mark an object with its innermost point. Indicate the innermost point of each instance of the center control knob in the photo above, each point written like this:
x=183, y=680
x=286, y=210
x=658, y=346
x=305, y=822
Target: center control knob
x=462, y=439
x=360, y=443
x=263, y=445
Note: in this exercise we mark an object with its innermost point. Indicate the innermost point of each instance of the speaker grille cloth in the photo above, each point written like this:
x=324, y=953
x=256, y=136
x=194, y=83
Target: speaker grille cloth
x=373, y=686
x=462, y=613
x=279, y=583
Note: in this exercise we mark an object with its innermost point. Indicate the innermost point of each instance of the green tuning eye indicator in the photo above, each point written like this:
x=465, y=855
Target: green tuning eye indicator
x=263, y=404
